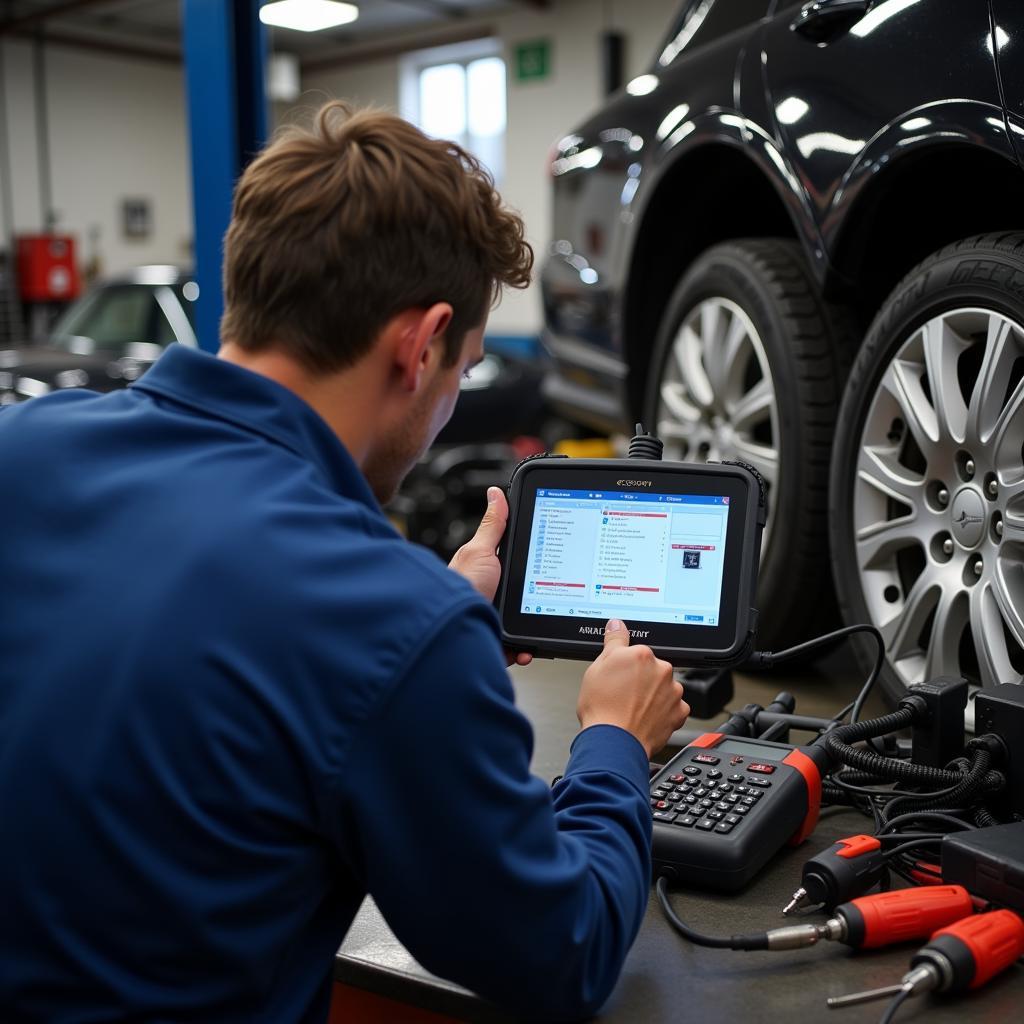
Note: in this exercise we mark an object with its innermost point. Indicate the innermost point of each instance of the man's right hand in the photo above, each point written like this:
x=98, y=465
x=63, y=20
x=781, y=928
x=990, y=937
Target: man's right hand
x=631, y=688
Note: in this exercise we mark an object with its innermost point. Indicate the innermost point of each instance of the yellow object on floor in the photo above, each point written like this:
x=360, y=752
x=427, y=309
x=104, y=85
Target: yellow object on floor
x=588, y=448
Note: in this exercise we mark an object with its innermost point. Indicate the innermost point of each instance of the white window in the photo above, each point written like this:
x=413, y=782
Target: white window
x=458, y=93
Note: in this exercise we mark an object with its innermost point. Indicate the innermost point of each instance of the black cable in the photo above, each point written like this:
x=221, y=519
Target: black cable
x=945, y=816
x=765, y=659
x=774, y=730
x=839, y=744
x=970, y=783
x=913, y=844
x=887, y=794
x=756, y=940
x=893, y=1008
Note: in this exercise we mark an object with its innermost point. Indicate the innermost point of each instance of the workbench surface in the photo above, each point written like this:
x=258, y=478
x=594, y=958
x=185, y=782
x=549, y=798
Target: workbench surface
x=667, y=979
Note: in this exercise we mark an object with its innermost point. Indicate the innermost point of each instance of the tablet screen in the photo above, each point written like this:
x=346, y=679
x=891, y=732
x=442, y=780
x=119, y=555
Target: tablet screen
x=628, y=555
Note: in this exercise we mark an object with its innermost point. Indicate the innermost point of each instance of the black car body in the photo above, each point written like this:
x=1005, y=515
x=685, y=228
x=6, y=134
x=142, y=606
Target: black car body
x=794, y=163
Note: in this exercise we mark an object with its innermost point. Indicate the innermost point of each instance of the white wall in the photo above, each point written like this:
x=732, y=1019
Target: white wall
x=117, y=129
x=539, y=112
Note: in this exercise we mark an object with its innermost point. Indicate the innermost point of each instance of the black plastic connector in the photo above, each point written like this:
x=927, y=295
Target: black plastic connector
x=1000, y=710
x=707, y=691
x=938, y=731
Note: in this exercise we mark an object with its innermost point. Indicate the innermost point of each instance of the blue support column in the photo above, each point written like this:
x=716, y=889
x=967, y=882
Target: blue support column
x=225, y=61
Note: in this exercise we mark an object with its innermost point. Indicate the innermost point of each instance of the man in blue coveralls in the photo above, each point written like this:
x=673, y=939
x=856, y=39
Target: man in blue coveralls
x=233, y=701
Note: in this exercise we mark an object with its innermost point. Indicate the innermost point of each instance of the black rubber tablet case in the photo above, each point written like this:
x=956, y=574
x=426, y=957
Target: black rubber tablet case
x=689, y=652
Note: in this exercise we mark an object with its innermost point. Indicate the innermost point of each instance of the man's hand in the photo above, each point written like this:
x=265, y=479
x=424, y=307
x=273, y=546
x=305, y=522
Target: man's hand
x=631, y=688
x=477, y=559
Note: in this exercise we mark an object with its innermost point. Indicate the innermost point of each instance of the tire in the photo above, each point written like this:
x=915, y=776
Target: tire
x=927, y=490
x=789, y=370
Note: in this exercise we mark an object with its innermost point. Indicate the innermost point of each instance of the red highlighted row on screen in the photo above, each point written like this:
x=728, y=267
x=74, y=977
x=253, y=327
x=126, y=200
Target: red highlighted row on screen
x=604, y=586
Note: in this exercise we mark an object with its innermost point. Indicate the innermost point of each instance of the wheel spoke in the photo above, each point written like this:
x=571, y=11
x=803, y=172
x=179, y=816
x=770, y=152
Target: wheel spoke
x=989, y=640
x=987, y=397
x=1007, y=436
x=1013, y=514
x=670, y=428
x=754, y=407
x=1008, y=590
x=677, y=404
x=764, y=459
x=876, y=544
x=727, y=360
x=951, y=616
x=902, y=380
x=688, y=355
x=903, y=631
x=879, y=467
x=942, y=348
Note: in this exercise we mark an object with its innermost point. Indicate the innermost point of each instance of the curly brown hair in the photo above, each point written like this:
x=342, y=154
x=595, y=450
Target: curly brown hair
x=337, y=228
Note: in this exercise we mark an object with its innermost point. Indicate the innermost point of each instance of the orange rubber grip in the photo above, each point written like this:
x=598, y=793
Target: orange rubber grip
x=995, y=941
x=905, y=914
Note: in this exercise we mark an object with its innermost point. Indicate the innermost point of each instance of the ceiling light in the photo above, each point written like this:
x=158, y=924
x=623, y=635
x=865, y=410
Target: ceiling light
x=308, y=15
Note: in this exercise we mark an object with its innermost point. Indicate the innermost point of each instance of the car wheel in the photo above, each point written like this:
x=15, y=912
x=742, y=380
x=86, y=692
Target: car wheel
x=749, y=364
x=928, y=481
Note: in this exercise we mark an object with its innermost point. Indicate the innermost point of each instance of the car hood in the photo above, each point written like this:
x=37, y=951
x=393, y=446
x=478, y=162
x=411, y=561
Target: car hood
x=35, y=370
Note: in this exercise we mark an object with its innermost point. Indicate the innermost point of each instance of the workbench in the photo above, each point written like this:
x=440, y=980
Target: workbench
x=665, y=978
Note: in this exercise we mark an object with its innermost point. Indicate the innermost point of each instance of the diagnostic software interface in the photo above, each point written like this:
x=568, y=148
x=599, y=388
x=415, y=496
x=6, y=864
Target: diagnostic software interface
x=616, y=554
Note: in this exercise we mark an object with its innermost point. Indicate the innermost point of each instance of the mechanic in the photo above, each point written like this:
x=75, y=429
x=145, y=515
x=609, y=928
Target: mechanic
x=234, y=701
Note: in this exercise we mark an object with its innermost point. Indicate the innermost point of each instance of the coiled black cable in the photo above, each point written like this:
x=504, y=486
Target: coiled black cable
x=961, y=793
x=839, y=742
x=984, y=818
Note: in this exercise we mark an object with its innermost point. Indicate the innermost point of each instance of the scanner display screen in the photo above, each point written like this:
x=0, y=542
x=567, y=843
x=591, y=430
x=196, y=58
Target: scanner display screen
x=639, y=557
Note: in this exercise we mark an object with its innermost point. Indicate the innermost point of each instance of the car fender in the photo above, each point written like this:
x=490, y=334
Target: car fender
x=922, y=130
x=721, y=128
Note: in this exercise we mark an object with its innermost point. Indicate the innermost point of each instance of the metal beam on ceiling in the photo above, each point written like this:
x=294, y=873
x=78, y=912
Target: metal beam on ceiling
x=352, y=55
x=112, y=47
x=20, y=22
x=434, y=7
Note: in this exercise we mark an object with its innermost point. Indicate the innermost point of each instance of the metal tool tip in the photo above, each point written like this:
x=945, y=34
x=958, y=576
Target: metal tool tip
x=799, y=900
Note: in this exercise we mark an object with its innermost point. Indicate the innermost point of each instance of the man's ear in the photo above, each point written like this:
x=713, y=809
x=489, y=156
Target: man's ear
x=420, y=341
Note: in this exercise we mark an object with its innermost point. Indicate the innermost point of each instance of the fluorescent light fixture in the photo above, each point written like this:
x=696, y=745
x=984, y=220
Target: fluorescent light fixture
x=308, y=15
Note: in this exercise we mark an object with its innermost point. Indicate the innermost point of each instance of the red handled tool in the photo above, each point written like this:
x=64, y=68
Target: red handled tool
x=865, y=923
x=847, y=868
x=962, y=956
x=881, y=919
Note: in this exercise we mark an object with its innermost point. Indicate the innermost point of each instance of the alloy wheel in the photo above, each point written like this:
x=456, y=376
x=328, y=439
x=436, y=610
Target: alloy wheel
x=938, y=502
x=717, y=399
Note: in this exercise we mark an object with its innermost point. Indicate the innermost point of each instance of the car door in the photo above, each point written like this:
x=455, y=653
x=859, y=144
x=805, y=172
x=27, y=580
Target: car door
x=853, y=85
x=1008, y=46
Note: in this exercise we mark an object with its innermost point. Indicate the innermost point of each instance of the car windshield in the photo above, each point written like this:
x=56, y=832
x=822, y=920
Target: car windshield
x=123, y=319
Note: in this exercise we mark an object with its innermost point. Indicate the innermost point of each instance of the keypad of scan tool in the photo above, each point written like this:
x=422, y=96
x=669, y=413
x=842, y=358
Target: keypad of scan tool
x=702, y=795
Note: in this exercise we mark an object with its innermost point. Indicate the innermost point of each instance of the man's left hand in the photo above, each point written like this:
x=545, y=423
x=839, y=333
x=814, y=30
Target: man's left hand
x=477, y=559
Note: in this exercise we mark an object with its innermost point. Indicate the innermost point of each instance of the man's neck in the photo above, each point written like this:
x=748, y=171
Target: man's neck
x=346, y=401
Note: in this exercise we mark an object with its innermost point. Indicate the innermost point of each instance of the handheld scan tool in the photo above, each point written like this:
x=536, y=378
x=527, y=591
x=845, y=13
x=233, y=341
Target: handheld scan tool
x=671, y=548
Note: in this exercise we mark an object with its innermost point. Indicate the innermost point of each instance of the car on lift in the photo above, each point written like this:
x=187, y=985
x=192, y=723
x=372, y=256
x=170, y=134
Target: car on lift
x=108, y=338
x=798, y=240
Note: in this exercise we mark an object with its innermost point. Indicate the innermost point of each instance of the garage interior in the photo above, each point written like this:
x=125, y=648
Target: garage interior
x=784, y=234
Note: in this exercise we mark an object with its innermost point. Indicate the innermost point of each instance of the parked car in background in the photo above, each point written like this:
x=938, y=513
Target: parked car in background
x=798, y=240
x=108, y=338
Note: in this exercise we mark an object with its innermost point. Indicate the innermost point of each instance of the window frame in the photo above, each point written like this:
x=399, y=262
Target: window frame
x=412, y=65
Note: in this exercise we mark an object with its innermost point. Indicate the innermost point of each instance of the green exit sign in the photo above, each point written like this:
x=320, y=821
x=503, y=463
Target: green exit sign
x=533, y=60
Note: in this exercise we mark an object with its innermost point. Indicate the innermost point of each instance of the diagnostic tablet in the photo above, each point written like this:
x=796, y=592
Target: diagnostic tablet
x=670, y=548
